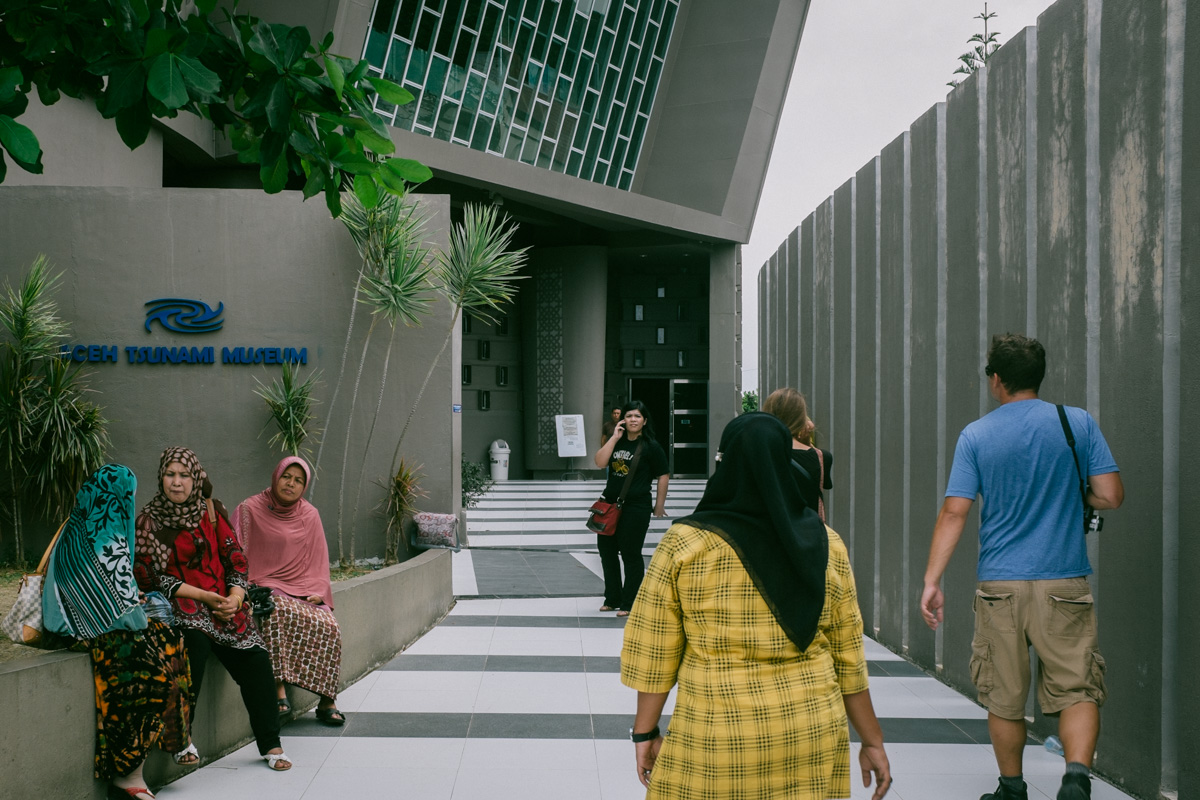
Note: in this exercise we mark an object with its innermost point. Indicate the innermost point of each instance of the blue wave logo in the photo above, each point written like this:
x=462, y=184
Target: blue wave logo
x=184, y=316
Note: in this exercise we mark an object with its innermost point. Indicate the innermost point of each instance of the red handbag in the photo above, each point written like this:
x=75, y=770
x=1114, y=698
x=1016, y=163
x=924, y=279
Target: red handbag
x=603, y=515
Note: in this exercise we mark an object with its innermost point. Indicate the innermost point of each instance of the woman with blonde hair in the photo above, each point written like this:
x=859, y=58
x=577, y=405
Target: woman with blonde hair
x=812, y=464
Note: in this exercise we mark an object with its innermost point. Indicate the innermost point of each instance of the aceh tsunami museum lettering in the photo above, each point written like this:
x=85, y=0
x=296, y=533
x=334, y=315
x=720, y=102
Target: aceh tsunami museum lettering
x=184, y=316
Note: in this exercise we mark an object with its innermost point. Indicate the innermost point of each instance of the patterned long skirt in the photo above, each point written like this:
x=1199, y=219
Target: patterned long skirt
x=143, y=696
x=305, y=644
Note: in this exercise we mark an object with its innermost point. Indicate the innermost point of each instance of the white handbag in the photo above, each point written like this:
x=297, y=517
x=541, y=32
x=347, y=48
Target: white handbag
x=23, y=623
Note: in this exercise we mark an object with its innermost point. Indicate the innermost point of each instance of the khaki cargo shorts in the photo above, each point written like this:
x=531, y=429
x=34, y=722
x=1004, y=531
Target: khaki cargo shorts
x=1058, y=618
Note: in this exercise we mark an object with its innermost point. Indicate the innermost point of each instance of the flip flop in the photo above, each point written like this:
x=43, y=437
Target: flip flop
x=182, y=757
x=607, y=608
x=622, y=613
x=331, y=716
x=274, y=759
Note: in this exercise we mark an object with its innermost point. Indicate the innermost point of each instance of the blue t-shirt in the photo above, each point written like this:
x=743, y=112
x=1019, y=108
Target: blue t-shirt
x=1017, y=458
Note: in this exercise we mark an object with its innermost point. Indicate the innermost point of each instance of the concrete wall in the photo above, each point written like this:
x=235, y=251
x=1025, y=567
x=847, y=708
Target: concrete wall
x=724, y=395
x=563, y=320
x=81, y=148
x=503, y=420
x=285, y=272
x=1053, y=194
x=50, y=697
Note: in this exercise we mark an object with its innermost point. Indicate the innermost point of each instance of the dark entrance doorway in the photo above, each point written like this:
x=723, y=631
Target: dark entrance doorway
x=679, y=412
x=656, y=394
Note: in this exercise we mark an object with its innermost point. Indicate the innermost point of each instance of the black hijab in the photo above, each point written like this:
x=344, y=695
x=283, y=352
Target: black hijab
x=753, y=503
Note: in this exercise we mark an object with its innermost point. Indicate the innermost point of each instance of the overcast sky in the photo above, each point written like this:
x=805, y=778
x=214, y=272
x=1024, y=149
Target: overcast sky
x=866, y=70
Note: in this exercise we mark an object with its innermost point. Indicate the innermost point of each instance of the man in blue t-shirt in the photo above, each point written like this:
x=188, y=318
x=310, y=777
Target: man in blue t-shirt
x=1033, y=563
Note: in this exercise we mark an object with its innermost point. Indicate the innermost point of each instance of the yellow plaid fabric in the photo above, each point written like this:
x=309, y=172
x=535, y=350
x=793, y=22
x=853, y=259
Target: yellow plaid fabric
x=754, y=717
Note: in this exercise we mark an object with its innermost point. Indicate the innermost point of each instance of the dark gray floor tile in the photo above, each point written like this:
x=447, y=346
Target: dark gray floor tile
x=616, y=726
x=931, y=731
x=530, y=726
x=602, y=622
x=535, y=664
x=895, y=669
x=307, y=725
x=602, y=663
x=431, y=663
x=388, y=725
x=464, y=621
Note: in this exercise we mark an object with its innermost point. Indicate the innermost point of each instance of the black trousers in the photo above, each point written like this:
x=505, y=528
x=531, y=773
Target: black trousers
x=625, y=546
x=251, y=670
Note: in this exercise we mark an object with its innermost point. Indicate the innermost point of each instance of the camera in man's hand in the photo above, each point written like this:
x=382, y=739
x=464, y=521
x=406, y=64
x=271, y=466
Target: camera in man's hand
x=1092, y=522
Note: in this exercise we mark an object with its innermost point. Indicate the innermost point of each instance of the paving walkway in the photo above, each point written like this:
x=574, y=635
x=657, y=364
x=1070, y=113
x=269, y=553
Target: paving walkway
x=516, y=694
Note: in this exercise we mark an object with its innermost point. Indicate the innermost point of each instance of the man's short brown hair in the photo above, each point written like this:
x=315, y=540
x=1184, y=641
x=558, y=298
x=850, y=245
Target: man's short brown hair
x=1018, y=360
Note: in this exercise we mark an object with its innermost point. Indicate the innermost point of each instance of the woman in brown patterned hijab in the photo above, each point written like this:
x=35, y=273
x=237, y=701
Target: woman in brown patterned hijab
x=187, y=550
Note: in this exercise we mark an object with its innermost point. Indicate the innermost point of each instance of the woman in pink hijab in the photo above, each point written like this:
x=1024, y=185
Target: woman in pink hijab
x=285, y=545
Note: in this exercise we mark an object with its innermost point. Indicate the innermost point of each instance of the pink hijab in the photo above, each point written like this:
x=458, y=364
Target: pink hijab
x=285, y=544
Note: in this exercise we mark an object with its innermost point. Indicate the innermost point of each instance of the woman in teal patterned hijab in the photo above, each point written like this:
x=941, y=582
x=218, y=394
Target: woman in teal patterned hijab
x=90, y=588
x=142, y=677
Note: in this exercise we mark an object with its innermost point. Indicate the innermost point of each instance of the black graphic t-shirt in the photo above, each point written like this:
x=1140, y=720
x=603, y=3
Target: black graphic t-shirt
x=652, y=464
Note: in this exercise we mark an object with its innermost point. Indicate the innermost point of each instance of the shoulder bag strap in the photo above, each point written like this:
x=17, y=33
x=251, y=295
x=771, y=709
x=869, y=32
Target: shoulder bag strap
x=1066, y=426
x=800, y=469
x=41, y=568
x=637, y=454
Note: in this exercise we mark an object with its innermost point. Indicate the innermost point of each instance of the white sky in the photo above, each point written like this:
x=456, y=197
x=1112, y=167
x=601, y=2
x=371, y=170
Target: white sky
x=866, y=70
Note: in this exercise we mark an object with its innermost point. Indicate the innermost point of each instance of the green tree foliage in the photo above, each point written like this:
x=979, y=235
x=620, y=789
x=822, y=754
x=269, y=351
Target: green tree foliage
x=985, y=45
x=290, y=401
x=749, y=402
x=287, y=104
x=404, y=490
x=478, y=275
x=51, y=436
x=476, y=480
x=395, y=284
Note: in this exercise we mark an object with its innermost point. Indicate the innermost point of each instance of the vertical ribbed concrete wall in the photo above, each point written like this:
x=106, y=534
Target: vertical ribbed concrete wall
x=1056, y=194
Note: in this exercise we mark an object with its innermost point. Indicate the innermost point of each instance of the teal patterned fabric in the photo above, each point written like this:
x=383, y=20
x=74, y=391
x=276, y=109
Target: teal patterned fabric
x=90, y=589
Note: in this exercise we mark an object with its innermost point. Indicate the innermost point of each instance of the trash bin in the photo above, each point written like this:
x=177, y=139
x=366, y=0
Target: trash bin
x=499, y=452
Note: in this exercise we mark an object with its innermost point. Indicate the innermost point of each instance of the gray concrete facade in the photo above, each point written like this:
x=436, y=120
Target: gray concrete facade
x=285, y=273
x=1048, y=195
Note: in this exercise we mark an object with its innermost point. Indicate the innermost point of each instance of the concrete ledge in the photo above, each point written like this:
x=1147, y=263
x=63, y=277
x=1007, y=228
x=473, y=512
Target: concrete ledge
x=47, y=747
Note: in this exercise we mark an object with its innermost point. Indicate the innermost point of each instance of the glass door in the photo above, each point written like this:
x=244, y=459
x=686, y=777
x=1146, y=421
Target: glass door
x=689, y=428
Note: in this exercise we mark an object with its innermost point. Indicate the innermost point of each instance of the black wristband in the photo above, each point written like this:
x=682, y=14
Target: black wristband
x=638, y=738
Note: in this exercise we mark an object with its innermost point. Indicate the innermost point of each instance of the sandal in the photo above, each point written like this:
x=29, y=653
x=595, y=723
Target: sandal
x=607, y=608
x=331, y=716
x=188, y=756
x=275, y=759
x=121, y=793
x=622, y=613
x=284, y=706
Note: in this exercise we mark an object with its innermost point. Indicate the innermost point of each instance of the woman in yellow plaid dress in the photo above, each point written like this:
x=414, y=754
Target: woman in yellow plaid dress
x=749, y=606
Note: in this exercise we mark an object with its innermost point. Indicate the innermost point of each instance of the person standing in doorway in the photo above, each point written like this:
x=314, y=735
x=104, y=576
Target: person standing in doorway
x=630, y=448
x=610, y=424
x=1033, y=562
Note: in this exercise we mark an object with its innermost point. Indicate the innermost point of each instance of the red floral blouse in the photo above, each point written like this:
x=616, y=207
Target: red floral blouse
x=207, y=558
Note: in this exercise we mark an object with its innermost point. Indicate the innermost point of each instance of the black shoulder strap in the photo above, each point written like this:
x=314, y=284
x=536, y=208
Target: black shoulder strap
x=801, y=469
x=1066, y=426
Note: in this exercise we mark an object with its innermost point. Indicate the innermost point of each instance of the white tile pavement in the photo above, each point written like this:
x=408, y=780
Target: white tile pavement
x=485, y=712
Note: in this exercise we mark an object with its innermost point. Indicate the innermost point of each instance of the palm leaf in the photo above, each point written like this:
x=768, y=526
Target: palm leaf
x=478, y=272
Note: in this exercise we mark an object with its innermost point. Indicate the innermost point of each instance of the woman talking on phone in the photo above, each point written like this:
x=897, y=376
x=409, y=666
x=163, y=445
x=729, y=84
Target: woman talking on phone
x=631, y=449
